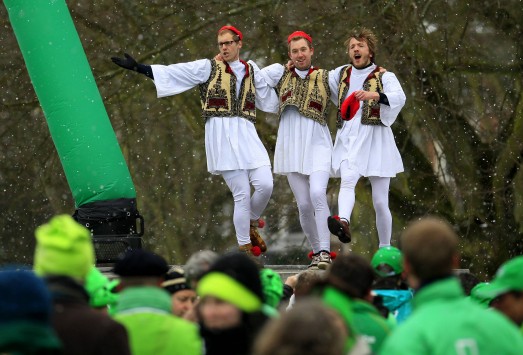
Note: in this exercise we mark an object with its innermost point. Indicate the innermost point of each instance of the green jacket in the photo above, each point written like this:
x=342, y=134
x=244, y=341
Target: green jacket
x=370, y=324
x=444, y=322
x=152, y=328
x=342, y=304
x=28, y=337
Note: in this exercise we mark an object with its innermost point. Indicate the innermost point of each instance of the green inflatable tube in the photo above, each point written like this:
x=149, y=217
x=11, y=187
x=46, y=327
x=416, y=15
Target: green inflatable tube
x=80, y=128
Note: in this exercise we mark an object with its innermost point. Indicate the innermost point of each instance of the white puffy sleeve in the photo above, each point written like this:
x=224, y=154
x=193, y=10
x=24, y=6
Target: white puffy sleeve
x=177, y=78
x=265, y=80
x=392, y=89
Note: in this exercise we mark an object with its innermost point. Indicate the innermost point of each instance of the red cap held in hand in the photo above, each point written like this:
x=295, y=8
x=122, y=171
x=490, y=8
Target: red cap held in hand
x=349, y=107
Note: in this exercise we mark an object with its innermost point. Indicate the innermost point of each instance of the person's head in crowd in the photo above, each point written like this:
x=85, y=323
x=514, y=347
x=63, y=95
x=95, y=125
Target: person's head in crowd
x=182, y=296
x=305, y=282
x=140, y=267
x=197, y=265
x=388, y=265
x=468, y=281
x=506, y=290
x=430, y=250
x=272, y=287
x=310, y=327
x=233, y=283
x=231, y=304
x=101, y=290
x=353, y=275
x=25, y=314
x=477, y=297
x=63, y=248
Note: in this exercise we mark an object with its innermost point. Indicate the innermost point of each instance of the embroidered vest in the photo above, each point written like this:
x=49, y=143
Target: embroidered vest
x=370, y=111
x=309, y=95
x=218, y=94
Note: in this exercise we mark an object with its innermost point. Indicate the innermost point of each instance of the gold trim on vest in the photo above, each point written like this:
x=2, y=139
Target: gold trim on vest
x=370, y=112
x=309, y=95
x=218, y=93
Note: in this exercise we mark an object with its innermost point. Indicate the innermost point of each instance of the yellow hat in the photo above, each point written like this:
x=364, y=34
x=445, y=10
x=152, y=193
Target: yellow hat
x=63, y=247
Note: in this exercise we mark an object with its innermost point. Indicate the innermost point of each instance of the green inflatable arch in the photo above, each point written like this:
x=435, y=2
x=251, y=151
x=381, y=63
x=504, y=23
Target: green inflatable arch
x=96, y=171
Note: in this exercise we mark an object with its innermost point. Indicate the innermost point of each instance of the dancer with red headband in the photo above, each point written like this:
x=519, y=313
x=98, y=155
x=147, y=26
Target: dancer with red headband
x=369, y=99
x=304, y=144
x=231, y=90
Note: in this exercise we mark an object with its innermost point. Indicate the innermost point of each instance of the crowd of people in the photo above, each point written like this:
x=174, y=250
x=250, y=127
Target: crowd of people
x=367, y=97
x=407, y=301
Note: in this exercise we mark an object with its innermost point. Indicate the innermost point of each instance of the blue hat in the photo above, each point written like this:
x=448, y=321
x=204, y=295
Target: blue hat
x=23, y=296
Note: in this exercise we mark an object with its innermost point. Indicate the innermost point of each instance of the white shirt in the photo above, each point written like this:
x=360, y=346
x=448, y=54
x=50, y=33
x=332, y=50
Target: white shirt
x=303, y=145
x=231, y=143
x=369, y=149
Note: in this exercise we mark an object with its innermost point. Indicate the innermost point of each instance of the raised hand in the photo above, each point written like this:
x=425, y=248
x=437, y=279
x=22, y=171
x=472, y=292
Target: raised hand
x=128, y=62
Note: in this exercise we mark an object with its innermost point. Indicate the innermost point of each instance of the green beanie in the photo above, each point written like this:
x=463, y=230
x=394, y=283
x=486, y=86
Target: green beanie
x=272, y=287
x=63, y=247
x=99, y=288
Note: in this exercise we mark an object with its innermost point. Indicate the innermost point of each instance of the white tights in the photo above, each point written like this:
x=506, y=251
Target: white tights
x=247, y=207
x=380, y=200
x=310, y=193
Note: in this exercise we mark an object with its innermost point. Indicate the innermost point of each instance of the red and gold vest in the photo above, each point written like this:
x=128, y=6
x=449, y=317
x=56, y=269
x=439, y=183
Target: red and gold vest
x=309, y=95
x=370, y=111
x=218, y=94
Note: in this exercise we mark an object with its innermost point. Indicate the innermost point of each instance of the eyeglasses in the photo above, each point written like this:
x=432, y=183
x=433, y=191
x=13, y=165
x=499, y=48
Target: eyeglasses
x=226, y=43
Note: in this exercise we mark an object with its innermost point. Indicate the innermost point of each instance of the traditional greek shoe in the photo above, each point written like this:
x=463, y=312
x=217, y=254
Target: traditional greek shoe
x=314, y=265
x=249, y=249
x=324, y=259
x=340, y=228
x=256, y=239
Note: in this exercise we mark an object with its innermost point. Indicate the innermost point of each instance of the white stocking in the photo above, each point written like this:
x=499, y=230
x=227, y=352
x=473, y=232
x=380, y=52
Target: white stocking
x=347, y=195
x=245, y=207
x=311, y=197
x=380, y=200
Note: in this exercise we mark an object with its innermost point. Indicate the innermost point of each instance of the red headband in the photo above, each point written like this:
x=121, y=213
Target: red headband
x=233, y=29
x=299, y=34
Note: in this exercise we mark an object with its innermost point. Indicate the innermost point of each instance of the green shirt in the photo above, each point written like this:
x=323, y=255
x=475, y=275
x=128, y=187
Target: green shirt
x=152, y=328
x=445, y=322
x=342, y=304
x=370, y=324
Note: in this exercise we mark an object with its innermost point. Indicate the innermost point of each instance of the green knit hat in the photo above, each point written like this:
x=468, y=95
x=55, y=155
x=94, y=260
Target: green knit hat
x=63, y=247
x=99, y=288
x=390, y=256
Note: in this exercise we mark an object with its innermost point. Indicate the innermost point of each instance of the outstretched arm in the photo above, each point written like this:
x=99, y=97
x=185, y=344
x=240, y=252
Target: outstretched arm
x=131, y=64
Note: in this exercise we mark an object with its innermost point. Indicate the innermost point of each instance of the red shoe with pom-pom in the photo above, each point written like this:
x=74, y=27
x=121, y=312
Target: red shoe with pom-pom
x=340, y=228
x=256, y=238
x=249, y=249
x=321, y=260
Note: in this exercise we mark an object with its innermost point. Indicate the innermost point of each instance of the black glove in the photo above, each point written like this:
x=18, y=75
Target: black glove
x=128, y=62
